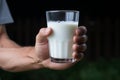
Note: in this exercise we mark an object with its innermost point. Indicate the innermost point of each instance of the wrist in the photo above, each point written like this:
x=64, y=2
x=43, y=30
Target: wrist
x=35, y=60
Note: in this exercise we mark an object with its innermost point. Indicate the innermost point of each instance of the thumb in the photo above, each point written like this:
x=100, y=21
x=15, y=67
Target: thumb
x=43, y=34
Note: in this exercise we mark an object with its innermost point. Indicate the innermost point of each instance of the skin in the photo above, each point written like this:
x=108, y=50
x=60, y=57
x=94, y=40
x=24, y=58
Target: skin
x=16, y=58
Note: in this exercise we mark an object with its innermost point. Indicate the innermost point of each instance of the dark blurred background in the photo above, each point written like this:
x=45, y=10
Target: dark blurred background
x=102, y=19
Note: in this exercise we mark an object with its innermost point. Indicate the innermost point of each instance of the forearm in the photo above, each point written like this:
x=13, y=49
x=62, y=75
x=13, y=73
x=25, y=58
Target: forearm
x=19, y=59
x=14, y=57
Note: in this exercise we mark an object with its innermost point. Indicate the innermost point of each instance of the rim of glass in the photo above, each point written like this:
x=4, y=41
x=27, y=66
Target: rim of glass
x=62, y=11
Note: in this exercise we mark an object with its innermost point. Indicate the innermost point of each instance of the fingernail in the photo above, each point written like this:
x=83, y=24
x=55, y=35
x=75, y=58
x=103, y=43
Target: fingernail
x=47, y=31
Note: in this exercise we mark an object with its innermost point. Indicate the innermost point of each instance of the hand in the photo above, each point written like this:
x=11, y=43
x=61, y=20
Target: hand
x=42, y=50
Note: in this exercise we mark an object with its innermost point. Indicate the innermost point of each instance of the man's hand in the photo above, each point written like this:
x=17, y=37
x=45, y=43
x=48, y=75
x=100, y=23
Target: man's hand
x=16, y=58
x=42, y=50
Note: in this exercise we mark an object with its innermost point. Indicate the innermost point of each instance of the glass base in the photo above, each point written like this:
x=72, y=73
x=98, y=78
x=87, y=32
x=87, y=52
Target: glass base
x=59, y=60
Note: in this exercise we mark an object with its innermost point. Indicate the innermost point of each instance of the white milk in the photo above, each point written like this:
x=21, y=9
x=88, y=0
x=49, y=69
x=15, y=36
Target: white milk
x=61, y=41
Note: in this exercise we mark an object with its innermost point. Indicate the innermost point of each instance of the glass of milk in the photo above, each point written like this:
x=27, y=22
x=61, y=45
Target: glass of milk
x=63, y=24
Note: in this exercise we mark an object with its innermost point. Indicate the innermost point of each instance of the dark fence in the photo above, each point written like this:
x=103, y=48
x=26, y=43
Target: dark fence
x=103, y=34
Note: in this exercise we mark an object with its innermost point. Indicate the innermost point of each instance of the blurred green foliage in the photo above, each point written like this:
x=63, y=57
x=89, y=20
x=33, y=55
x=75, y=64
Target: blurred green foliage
x=101, y=69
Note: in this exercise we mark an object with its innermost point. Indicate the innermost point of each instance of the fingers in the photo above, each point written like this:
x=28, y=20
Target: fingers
x=80, y=35
x=80, y=39
x=81, y=30
x=79, y=46
x=78, y=53
x=43, y=34
x=78, y=57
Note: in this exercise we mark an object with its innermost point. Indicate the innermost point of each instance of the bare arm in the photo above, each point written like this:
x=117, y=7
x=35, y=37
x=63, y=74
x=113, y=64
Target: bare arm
x=14, y=57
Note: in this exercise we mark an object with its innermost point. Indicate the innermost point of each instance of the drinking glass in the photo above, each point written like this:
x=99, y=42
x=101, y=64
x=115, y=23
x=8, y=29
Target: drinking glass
x=63, y=24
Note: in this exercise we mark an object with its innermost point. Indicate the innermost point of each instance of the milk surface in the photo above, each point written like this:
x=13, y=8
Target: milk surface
x=61, y=40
